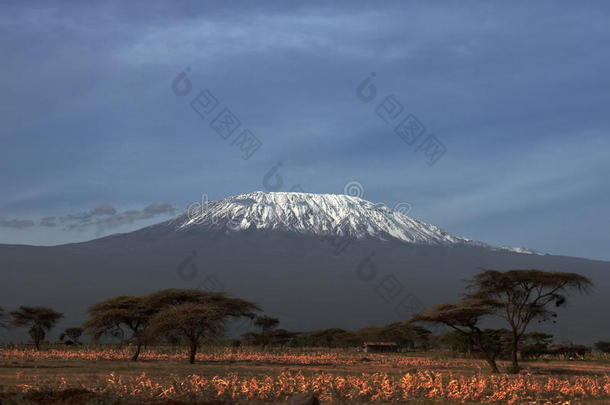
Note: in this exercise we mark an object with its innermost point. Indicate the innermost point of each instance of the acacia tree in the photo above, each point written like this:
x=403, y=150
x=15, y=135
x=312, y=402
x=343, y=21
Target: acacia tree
x=109, y=316
x=603, y=347
x=193, y=322
x=521, y=296
x=267, y=324
x=40, y=320
x=194, y=315
x=283, y=337
x=404, y=334
x=333, y=337
x=464, y=317
x=73, y=333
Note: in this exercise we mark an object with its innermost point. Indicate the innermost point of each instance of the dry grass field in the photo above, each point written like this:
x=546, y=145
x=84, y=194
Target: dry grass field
x=104, y=375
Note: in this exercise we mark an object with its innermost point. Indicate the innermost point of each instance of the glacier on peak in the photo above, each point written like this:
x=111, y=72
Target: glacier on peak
x=318, y=215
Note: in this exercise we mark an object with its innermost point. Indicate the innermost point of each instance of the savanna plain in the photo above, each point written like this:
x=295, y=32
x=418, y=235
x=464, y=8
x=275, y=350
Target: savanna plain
x=104, y=374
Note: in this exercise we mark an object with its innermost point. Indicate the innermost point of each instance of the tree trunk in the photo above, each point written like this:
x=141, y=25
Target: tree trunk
x=37, y=344
x=193, y=353
x=514, y=368
x=137, y=353
x=265, y=338
x=488, y=355
x=491, y=360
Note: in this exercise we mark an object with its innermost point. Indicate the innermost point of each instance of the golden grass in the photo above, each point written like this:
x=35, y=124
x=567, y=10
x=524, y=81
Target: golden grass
x=367, y=387
x=339, y=376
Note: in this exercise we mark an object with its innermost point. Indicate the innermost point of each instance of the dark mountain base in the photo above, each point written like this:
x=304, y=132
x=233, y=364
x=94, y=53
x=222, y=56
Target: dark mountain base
x=307, y=282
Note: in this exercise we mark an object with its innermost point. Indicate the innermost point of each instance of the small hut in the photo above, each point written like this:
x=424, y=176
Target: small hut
x=379, y=347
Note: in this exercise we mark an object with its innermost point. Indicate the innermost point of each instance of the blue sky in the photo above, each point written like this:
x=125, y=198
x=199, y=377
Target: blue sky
x=95, y=140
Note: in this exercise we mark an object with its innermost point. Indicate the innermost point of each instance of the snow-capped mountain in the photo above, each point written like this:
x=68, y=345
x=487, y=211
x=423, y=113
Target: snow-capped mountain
x=271, y=248
x=318, y=215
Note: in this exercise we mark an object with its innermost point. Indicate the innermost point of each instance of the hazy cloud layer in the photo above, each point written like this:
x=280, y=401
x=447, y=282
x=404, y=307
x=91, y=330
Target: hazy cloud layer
x=16, y=223
x=101, y=218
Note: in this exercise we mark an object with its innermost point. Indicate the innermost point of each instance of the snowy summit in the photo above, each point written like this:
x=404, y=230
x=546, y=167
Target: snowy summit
x=318, y=215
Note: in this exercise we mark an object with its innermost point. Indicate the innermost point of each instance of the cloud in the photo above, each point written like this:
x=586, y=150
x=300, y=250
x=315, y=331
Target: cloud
x=102, y=217
x=49, y=222
x=16, y=223
x=131, y=216
x=78, y=220
x=155, y=209
x=103, y=210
